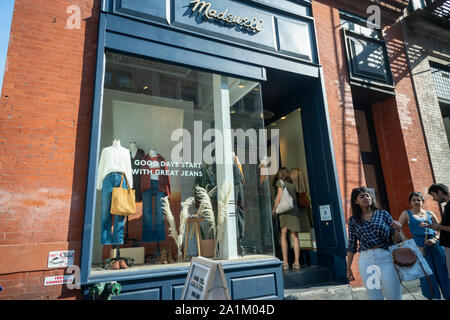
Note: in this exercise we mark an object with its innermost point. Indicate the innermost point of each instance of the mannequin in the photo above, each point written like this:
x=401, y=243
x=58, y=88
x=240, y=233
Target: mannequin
x=208, y=178
x=136, y=155
x=133, y=149
x=154, y=187
x=114, y=162
x=238, y=178
x=264, y=207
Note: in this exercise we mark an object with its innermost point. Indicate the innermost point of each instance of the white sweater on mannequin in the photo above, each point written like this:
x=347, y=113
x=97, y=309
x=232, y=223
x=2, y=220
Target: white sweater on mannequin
x=114, y=159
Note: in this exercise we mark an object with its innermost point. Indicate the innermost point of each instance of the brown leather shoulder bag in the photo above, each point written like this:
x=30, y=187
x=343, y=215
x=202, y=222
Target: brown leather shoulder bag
x=404, y=257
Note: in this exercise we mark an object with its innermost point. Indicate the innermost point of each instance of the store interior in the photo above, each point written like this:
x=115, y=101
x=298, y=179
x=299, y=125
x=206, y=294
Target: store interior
x=132, y=111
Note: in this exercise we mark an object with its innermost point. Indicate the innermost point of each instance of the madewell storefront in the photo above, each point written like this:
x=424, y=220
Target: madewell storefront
x=190, y=97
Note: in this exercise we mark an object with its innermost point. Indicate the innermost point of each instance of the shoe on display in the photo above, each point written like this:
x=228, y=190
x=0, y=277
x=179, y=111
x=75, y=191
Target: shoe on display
x=164, y=257
x=170, y=257
x=123, y=264
x=115, y=265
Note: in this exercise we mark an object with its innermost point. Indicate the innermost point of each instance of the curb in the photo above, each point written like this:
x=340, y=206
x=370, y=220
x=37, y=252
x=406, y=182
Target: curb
x=347, y=292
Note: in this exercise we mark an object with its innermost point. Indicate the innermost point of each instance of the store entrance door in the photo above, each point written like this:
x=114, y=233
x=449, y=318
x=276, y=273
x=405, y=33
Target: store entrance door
x=294, y=106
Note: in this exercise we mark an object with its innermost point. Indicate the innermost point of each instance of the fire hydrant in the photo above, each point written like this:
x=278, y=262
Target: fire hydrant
x=105, y=290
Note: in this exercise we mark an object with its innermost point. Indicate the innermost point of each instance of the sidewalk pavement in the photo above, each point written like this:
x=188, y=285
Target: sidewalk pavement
x=333, y=291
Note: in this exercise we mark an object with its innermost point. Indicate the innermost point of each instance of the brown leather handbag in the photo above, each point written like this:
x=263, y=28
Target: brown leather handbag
x=302, y=198
x=404, y=257
x=123, y=200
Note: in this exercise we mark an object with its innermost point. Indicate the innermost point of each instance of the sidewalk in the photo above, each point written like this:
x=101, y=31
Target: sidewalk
x=334, y=291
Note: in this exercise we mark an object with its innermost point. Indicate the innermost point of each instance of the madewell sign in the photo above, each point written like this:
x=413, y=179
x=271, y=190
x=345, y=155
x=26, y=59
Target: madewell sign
x=206, y=8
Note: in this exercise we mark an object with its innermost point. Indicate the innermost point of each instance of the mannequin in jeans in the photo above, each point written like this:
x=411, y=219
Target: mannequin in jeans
x=155, y=185
x=114, y=163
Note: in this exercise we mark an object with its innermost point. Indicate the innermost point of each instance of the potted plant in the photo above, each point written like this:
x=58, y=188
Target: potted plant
x=208, y=227
x=178, y=236
x=213, y=227
x=215, y=222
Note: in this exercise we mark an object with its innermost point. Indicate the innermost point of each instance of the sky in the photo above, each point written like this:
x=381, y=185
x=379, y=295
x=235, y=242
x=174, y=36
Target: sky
x=6, y=10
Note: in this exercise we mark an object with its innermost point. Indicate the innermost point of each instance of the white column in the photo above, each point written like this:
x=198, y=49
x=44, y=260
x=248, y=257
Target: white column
x=224, y=167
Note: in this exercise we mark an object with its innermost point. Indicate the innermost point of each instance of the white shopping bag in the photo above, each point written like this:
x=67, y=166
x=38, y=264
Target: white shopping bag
x=286, y=201
x=415, y=271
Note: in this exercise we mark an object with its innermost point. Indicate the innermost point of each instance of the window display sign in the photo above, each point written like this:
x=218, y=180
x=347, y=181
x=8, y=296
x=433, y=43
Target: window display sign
x=60, y=259
x=205, y=281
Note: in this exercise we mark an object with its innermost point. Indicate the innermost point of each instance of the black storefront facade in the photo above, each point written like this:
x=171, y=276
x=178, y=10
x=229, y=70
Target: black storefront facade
x=206, y=62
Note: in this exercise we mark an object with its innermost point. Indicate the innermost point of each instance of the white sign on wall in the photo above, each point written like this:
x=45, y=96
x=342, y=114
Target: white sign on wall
x=60, y=259
x=58, y=280
x=325, y=213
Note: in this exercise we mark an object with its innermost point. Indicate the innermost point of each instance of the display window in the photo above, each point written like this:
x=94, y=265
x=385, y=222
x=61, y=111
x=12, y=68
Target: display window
x=182, y=144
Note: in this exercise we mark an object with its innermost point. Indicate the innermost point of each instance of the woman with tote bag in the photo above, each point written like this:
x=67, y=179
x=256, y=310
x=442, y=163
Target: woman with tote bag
x=286, y=207
x=427, y=240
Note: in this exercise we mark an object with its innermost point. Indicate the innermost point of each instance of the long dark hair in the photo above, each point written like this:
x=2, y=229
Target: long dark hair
x=356, y=209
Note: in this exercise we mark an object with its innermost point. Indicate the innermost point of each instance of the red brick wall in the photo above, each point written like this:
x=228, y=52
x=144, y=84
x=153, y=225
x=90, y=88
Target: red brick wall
x=340, y=102
x=340, y=105
x=397, y=124
x=411, y=158
x=45, y=116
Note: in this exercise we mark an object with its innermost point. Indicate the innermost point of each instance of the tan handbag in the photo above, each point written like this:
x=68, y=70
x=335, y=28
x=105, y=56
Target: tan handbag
x=123, y=200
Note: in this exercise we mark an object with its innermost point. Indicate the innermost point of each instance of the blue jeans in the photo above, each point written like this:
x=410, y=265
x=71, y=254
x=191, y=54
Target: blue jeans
x=152, y=232
x=379, y=275
x=109, y=182
x=435, y=256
